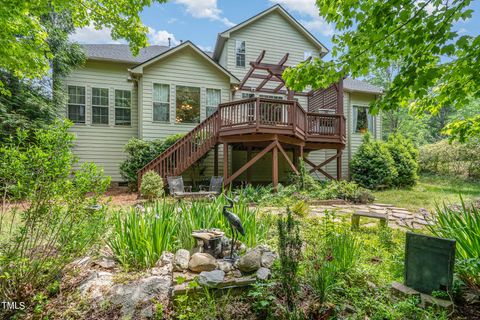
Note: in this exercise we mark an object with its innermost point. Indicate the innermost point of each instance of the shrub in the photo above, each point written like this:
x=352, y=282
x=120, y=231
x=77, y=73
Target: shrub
x=372, y=165
x=152, y=185
x=141, y=152
x=405, y=157
x=57, y=221
x=290, y=252
x=457, y=159
x=349, y=191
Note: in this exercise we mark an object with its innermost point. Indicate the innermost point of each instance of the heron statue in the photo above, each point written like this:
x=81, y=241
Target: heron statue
x=235, y=224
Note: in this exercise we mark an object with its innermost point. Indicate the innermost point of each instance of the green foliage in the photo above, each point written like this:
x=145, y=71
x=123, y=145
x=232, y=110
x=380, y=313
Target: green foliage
x=349, y=191
x=24, y=48
x=372, y=165
x=60, y=217
x=139, y=238
x=455, y=159
x=461, y=223
x=372, y=34
x=141, y=152
x=152, y=185
x=405, y=157
x=290, y=252
x=300, y=208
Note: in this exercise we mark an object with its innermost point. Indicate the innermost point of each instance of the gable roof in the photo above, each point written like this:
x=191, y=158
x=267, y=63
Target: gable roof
x=139, y=67
x=223, y=36
x=353, y=85
x=122, y=53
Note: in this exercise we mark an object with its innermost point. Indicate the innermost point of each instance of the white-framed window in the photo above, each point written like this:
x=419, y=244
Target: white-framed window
x=123, y=107
x=362, y=119
x=161, y=102
x=76, y=104
x=213, y=100
x=307, y=54
x=99, y=106
x=246, y=95
x=240, y=53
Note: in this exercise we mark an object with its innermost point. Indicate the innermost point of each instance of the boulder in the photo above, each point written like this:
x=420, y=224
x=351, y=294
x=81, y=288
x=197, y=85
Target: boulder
x=181, y=259
x=263, y=273
x=250, y=262
x=268, y=259
x=106, y=263
x=225, y=266
x=211, y=278
x=95, y=285
x=140, y=293
x=165, y=259
x=202, y=262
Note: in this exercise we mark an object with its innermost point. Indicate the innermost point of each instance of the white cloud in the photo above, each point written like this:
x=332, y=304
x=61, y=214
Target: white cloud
x=160, y=37
x=309, y=9
x=205, y=48
x=172, y=20
x=91, y=35
x=205, y=9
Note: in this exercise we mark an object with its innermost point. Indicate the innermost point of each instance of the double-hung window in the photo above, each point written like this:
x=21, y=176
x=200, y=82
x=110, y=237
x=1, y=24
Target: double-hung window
x=161, y=102
x=76, y=104
x=362, y=119
x=123, y=107
x=240, y=53
x=213, y=100
x=99, y=106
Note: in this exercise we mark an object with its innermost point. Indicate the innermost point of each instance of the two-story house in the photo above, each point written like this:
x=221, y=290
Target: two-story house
x=232, y=99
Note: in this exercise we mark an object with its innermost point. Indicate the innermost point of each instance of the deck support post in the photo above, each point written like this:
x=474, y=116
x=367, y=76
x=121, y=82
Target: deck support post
x=301, y=152
x=249, y=171
x=339, y=164
x=225, y=161
x=295, y=157
x=275, y=168
x=215, y=160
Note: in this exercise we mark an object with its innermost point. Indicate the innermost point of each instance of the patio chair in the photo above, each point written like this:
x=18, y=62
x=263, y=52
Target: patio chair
x=216, y=185
x=179, y=190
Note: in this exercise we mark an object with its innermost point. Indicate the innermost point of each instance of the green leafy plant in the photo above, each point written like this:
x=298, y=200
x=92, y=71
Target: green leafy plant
x=141, y=152
x=60, y=217
x=139, y=238
x=300, y=208
x=372, y=165
x=152, y=185
x=405, y=158
x=290, y=253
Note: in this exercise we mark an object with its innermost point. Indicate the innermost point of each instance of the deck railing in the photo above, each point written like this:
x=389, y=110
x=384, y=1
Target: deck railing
x=282, y=116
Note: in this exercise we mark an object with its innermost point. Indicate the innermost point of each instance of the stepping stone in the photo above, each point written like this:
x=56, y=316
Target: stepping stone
x=401, y=215
x=400, y=290
x=429, y=301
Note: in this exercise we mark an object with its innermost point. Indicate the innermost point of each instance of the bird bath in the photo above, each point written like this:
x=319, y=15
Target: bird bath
x=209, y=241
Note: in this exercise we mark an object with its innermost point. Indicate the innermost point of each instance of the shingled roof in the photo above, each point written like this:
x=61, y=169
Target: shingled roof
x=353, y=85
x=122, y=53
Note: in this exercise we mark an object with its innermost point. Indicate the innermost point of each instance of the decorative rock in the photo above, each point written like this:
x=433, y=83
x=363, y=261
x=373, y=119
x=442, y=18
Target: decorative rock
x=202, y=262
x=268, y=258
x=106, y=263
x=211, y=278
x=263, y=273
x=181, y=259
x=401, y=290
x=237, y=273
x=165, y=258
x=429, y=301
x=130, y=296
x=225, y=266
x=250, y=262
x=95, y=284
x=82, y=262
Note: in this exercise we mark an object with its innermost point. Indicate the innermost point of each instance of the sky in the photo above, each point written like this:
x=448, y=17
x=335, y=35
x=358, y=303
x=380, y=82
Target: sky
x=201, y=20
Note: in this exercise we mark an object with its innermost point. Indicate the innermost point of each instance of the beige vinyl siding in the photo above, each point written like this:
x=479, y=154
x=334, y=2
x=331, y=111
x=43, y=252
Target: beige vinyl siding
x=184, y=68
x=103, y=144
x=273, y=33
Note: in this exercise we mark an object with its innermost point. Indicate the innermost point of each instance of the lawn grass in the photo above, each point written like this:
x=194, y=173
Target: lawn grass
x=429, y=191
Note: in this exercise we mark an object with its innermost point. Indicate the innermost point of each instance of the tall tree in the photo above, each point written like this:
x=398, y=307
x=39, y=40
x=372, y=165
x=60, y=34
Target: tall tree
x=35, y=103
x=24, y=48
x=439, y=67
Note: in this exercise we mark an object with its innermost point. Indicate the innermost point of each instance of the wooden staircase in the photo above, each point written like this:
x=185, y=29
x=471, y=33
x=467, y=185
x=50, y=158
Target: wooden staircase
x=186, y=151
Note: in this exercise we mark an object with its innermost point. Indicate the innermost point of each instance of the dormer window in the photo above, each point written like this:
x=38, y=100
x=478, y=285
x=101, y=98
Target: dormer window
x=240, y=53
